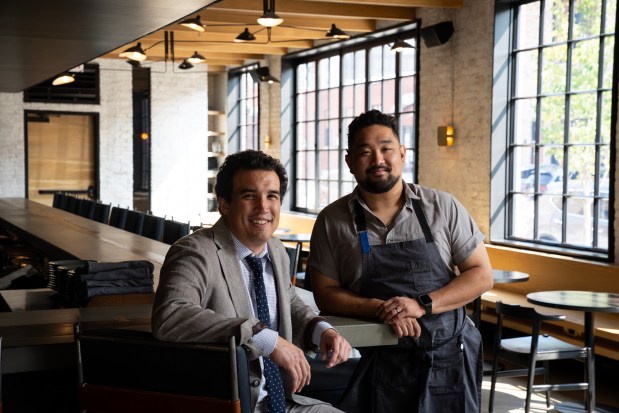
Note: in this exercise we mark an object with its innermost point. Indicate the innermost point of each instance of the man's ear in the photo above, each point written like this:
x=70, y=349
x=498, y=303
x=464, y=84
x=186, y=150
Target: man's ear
x=348, y=161
x=223, y=206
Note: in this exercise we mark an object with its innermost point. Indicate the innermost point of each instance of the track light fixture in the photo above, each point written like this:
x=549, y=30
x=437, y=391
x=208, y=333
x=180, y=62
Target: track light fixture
x=185, y=65
x=269, y=18
x=337, y=33
x=63, y=79
x=399, y=45
x=194, y=23
x=196, y=58
x=245, y=36
x=134, y=53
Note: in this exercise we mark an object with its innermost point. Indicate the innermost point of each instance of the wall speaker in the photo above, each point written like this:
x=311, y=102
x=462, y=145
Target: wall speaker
x=437, y=34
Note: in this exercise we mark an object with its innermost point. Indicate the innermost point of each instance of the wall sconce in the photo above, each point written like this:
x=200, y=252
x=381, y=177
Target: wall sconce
x=445, y=135
x=267, y=142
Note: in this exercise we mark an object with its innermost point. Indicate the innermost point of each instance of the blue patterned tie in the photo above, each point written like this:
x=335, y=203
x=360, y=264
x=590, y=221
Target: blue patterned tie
x=276, y=401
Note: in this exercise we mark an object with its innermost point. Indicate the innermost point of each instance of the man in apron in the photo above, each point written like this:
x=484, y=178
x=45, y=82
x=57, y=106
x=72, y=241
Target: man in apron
x=412, y=257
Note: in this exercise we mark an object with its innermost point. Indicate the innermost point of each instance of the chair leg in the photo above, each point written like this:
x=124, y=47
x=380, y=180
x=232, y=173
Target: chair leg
x=547, y=380
x=530, y=380
x=588, y=374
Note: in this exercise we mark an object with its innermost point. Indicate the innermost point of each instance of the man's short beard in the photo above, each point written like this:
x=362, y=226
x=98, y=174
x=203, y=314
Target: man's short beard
x=379, y=187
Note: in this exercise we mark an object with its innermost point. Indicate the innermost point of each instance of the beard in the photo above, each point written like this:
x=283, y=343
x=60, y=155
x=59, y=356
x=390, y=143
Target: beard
x=381, y=186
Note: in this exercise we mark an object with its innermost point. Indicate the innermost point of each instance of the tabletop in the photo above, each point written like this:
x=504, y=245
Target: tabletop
x=508, y=277
x=287, y=237
x=577, y=300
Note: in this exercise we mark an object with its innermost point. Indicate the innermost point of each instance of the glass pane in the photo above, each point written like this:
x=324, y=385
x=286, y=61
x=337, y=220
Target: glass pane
x=409, y=166
x=348, y=101
x=311, y=106
x=603, y=224
x=323, y=133
x=389, y=96
x=611, y=14
x=550, y=171
x=348, y=69
x=311, y=165
x=604, y=172
x=388, y=62
x=554, y=62
x=579, y=225
x=345, y=175
x=408, y=58
x=359, y=99
x=347, y=187
x=323, y=187
x=334, y=103
x=375, y=98
x=334, y=165
x=301, y=136
x=323, y=73
x=334, y=191
x=334, y=71
x=311, y=195
x=526, y=67
x=344, y=129
x=407, y=129
x=609, y=49
x=582, y=169
x=522, y=222
x=587, y=18
x=549, y=221
x=301, y=187
x=311, y=135
x=524, y=169
x=323, y=104
x=333, y=135
x=556, y=21
x=301, y=108
x=606, y=112
x=585, y=57
x=407, y=93
x=583, y=118
x=311, y=76
x=552, y=119
x=524, y=121
x=375, y=63
x=302, y=78
x=528, y=26
x=301, y=165
x=360, y=66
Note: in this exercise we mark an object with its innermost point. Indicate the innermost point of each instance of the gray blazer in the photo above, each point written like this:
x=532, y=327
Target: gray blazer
x=201, y=295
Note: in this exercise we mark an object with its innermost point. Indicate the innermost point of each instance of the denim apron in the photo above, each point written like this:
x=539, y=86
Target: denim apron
x=441, y=371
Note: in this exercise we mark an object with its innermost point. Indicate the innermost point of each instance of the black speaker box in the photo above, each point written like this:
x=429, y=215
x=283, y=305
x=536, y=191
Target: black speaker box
x=437, y=34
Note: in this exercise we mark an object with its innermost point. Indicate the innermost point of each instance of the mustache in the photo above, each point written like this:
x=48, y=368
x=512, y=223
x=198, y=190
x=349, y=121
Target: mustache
x=376, y=167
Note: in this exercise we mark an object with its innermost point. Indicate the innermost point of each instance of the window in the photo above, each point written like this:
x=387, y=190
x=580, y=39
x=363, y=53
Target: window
x=553, y=124
x=244, y=111
x=330, y=89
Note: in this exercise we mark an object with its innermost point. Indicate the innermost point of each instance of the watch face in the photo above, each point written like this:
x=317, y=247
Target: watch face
x=425, y=299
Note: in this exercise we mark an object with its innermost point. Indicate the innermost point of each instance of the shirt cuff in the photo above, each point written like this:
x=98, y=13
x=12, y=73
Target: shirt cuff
x=320, y=328
x=266, y=340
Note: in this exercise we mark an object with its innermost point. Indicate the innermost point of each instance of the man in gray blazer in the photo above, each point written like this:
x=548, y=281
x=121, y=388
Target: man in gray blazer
x=206, y=289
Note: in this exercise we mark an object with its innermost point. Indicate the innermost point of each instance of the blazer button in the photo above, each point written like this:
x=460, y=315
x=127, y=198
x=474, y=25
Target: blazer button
x=255, y=383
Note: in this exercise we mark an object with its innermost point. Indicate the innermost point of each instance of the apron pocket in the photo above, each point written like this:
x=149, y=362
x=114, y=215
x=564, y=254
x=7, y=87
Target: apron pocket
x=447, y=378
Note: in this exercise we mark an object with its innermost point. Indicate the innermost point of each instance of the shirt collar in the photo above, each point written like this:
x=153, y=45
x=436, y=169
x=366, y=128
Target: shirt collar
x=242, y=251
x=356, y=196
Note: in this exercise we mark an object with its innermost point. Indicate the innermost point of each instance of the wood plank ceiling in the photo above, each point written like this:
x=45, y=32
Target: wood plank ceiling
x=41, y=38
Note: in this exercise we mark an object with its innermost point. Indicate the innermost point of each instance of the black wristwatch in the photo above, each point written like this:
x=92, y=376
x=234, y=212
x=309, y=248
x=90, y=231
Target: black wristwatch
x=425, y=302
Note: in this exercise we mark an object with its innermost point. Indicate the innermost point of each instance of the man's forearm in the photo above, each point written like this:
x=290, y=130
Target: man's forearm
x=339, y=301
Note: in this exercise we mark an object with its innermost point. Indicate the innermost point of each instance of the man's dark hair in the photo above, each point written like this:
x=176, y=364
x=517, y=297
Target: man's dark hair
x=369, y=118
x=248, y=160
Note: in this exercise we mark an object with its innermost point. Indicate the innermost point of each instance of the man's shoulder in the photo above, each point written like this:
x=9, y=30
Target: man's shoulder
x=428, y=194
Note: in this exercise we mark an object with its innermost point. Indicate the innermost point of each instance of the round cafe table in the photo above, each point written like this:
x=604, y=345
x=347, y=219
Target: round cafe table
x=590, y=302
x=499, y=277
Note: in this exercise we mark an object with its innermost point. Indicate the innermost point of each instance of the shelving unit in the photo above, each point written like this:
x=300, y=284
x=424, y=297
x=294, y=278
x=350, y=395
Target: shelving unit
x=216, y=135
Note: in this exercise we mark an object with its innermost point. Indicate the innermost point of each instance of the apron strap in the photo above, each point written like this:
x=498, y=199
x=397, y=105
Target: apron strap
x=421, y=217
x=362, y=229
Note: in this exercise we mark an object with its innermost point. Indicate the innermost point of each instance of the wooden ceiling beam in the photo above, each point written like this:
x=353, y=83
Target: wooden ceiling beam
x=323, y=9
x=403, y=3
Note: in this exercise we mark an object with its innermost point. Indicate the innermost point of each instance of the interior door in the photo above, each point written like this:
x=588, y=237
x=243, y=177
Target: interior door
x=60, y=155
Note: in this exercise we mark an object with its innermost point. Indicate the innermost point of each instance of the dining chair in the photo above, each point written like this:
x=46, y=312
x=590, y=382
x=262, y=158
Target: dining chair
x=294, y=253
x=526, y=351
x=153, y=227
x=85, y=208
x=174, y=230
x=129, y=371
x=102, y=213
x=135, y=221
x=118, y=217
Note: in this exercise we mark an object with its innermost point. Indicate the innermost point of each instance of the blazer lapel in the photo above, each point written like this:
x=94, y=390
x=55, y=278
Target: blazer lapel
x=230, y=269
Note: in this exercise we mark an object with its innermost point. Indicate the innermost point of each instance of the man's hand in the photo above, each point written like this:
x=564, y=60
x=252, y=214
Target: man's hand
x=292, y=360
x=406, y=326
x=333, y=348
x=401, y=314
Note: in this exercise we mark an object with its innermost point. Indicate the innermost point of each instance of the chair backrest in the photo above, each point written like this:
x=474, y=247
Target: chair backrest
x=135, y=222
x=294, y=253
x=174, y=230
x=72, y=204
x=102, y=213
x=130, y=371
x=57, y=199
x=153, y=227
x=86, y=208
x=118, y=217
x=62, y=201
